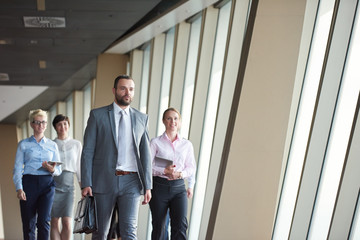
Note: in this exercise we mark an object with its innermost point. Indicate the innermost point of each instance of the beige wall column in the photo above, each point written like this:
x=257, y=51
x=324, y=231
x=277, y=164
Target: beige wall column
x=109, y=66
x=10, y=224
x=47, y=132
x=248, y=198
x=60, y=108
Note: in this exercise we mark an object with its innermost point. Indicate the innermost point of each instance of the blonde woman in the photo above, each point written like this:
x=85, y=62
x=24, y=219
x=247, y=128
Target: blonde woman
x=169, y=192
x=35, y=166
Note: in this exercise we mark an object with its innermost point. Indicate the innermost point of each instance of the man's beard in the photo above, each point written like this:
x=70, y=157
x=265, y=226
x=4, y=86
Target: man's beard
x=122, y=102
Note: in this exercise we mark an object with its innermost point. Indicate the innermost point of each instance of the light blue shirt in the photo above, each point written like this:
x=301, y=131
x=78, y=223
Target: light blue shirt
x=29, y=156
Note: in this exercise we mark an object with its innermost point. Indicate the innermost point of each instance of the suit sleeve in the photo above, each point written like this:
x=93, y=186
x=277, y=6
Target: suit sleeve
x=88, y=151
x=146, y=157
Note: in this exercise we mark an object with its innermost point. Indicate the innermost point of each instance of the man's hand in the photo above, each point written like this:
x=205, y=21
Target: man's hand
x=21, y=195
x=86, y=191
x=147, y=197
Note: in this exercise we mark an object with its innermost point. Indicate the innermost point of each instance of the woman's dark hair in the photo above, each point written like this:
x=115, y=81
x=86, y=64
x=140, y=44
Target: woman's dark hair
x=59, y=118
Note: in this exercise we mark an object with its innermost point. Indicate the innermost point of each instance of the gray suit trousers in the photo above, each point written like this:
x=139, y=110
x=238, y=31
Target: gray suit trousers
x=127, y=196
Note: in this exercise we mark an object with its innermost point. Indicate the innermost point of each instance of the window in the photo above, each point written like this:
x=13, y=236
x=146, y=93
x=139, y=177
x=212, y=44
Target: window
x=338, y=141
x=24, y=130
x=325, y=114
x=145, y=79
x=87, y=103
x=190, y=74
x=70, y=114
x=355, y=231
x=166, y=77
x=52, y=114
x=303, y=122
x=210, y=117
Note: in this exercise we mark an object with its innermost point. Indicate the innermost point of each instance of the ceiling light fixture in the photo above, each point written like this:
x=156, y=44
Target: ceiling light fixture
x=42, y=64
x=44, y=22
x=40, y=5
x=33, y=42
x=4, y=77
x=5, y=42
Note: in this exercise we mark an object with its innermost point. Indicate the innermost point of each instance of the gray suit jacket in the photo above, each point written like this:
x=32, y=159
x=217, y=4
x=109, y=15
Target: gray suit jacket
x=99, y=154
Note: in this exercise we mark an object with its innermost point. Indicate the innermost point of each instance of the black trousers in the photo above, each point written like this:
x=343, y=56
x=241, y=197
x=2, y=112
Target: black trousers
x=168, y=194
x=35, y=211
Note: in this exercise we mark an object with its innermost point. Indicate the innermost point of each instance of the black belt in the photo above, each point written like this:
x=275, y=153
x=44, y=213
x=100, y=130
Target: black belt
x=122, y=173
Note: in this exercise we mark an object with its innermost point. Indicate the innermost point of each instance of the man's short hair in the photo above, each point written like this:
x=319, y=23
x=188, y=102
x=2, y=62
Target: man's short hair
x=123, y=76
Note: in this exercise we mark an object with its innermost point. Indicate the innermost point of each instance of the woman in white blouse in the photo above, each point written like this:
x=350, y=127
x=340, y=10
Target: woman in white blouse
x=70, y=152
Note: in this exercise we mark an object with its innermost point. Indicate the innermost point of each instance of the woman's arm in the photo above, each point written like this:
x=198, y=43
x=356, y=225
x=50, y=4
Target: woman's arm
x=18, y=167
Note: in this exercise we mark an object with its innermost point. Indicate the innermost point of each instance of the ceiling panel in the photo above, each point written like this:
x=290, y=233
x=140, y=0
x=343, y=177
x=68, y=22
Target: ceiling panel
x=70, y=53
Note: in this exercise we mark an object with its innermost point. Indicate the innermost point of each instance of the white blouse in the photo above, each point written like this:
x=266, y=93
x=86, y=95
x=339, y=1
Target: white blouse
x=70, y=155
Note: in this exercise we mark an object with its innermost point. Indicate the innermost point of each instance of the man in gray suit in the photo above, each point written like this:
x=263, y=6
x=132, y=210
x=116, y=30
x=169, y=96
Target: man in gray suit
x=116, y=161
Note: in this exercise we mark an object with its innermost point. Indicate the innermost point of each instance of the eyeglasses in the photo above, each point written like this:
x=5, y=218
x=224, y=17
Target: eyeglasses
x=39, y=122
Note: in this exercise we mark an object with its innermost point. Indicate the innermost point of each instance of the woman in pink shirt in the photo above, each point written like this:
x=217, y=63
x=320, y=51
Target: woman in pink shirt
x=173, y=161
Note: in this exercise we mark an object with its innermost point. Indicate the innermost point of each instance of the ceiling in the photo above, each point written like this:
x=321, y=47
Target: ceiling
x=45, y=64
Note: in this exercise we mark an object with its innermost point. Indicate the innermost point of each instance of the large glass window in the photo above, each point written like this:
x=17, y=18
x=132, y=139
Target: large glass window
x=190, y=74
x=337, y=147
x=52, y=114
x=24, y=130
x=145, y=79
x=87, y=104
x=70, y=114
x=210, y=118
x=303, y=122
x=166, y=77
x=355, y=230
x=326, y=111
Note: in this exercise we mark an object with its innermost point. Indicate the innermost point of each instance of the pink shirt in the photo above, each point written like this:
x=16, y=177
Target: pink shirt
x=181, y=152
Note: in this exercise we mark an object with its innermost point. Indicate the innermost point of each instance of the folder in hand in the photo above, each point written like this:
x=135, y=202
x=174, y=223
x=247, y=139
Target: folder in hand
x=56, y=163
x=163, y=162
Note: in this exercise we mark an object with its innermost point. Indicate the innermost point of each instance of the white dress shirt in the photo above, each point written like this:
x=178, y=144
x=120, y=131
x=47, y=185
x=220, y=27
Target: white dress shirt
x=70, y=155
x=130, y=164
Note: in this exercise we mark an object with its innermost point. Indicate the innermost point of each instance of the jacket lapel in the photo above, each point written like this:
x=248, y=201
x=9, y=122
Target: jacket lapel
x=112, y=122
x=133, y=125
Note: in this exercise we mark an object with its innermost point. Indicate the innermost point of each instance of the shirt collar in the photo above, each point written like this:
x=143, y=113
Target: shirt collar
x=44, y=139
x=63, y=140
x=178, y=137
x=117, y=109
